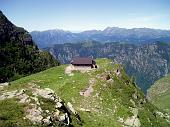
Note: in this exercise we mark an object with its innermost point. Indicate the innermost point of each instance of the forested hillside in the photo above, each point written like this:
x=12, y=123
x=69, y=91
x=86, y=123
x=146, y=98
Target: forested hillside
x=19, y=55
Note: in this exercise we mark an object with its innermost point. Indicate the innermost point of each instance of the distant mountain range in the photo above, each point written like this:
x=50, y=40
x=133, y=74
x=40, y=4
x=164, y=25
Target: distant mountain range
x=110, y=34
x=147, y=62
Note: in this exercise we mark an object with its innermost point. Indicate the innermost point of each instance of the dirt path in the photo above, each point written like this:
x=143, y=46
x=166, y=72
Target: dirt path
x=88, y=91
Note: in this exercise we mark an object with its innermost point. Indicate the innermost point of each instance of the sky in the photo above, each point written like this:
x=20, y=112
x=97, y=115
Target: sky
x=80, y=15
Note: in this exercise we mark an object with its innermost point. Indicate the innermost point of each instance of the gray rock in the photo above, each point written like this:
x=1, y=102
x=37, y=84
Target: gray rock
x=36, y=100
x=133, y=121
x=45, y=93
x=34, y=114
x=70, y=107
x=85, y=110
x=47, y=121
x=22, y=91
x=58, y=105
x=4, y=84
x=64, y=118
x=10, y=94
x=56, y=115
x=24, y=98
x=47, y=111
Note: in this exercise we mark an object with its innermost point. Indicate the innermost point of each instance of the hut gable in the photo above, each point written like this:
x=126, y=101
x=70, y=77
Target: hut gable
x=82, y=61
x=81, y=64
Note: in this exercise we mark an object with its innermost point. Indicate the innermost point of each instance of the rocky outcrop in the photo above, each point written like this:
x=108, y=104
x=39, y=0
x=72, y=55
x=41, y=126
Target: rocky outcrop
x=2, y=85
x=133, y=120
x=34, y=106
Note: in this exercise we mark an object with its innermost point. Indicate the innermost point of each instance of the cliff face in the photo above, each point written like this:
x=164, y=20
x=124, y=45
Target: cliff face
x=146, y=63
x=19, y=55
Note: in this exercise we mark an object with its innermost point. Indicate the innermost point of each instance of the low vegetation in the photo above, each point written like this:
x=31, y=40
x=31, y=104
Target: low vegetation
x=159, y=94
x=115, y=99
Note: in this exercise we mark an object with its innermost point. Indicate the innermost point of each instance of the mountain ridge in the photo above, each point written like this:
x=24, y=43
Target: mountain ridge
x=110, y=34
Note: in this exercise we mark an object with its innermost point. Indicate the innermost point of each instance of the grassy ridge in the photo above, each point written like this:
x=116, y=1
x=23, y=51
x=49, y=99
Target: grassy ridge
x=109, y=102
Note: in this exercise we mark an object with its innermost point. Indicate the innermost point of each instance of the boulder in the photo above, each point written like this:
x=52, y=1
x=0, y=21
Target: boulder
x=58, y=105
x=85, y=110
x=34, y=114
x=45, y=93
x=47, y=121
x=4, y=84
x=64, y=118
x=8, y=95
x=133, y=120
x=22, y=91
x=24, y=98
x=70, y=107
x=56, y=115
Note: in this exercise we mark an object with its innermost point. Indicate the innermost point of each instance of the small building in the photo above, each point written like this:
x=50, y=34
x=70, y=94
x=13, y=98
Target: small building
x=84, y=62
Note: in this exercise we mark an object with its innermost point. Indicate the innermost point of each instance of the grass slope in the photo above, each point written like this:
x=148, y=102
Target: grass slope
x=159, y=93
x=108, y=103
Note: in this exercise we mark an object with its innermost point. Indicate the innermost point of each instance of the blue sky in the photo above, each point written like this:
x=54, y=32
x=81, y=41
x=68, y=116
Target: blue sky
x=79, y=15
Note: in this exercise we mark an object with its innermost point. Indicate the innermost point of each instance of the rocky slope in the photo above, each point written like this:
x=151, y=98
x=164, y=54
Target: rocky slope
x=19, y=55
x=105, y=96
x=147, y=63
x=111, y=34
x=41, y=107
x=159, y=94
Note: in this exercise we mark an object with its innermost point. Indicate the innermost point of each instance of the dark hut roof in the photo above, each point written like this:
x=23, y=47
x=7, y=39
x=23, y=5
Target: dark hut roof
x=83, y=61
